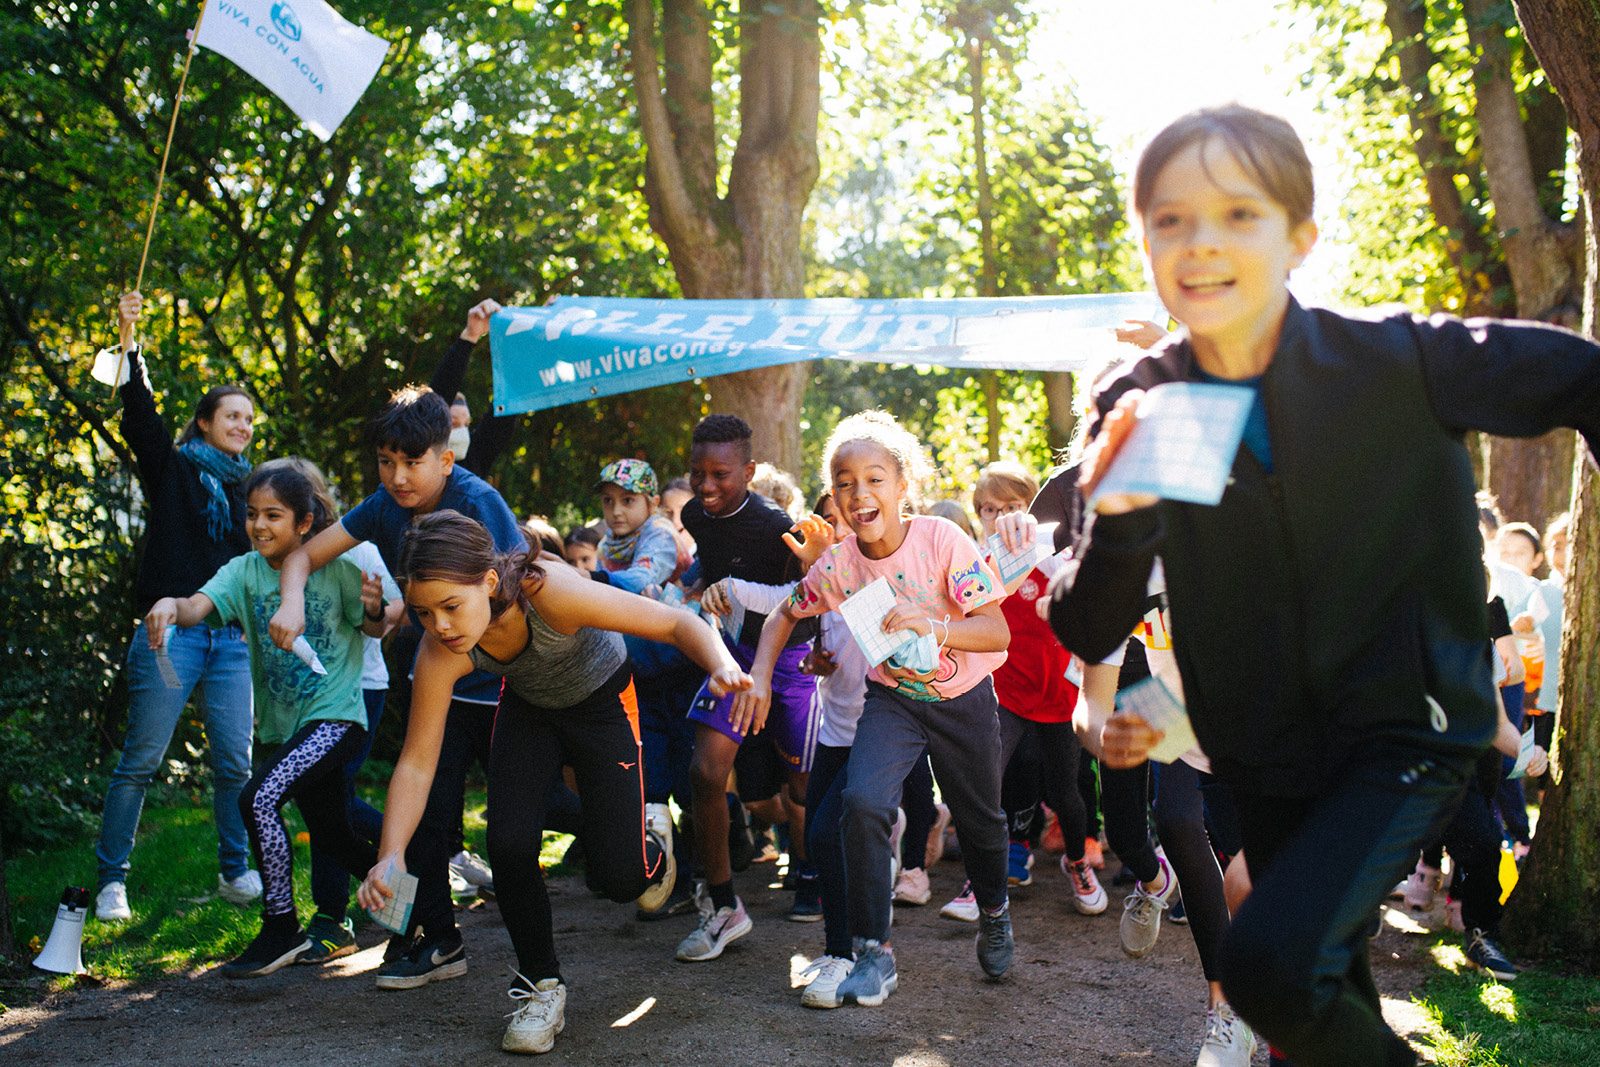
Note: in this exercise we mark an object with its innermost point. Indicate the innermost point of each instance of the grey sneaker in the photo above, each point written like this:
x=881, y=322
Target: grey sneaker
x=1141, y=914
x=473, y=870
x=873, y=978
x=1228, y=1041
x=718, y=929
x=995, y=944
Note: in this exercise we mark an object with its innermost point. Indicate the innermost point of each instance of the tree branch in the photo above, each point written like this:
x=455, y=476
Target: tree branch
x=672, y=199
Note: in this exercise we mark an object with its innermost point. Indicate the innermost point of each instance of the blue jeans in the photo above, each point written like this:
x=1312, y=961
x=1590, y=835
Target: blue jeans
x=330, y=883
x=214, y=664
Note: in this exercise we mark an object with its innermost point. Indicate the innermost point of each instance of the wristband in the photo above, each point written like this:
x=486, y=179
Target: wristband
x=370, y=616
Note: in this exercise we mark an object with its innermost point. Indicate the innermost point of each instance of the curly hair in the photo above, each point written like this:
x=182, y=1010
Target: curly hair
x=883, y=430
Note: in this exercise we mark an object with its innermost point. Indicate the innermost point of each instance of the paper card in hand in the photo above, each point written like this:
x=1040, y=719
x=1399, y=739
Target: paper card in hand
x=864, y=613
x=396, y=914
x=1157, y=705
x=1184, y=443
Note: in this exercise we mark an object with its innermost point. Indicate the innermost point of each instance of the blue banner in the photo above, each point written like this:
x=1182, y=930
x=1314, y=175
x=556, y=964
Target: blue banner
x=579, y=348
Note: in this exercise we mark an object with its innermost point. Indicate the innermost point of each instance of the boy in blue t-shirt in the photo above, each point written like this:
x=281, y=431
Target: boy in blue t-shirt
x=419, y=475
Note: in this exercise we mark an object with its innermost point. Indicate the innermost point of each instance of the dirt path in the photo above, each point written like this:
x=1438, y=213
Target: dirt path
x=1073, y=998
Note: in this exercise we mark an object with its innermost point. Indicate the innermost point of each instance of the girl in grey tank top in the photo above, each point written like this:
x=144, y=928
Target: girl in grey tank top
x=557, y=670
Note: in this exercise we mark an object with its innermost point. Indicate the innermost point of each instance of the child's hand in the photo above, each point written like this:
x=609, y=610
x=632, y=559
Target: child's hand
x=1018, y=530
x=288, y=623
x=375, y=891
x=900, y=618
x=1523, y=624
x=1126, y=740
x=728, y=680
x=750, y=708
x=128, y=310
x=478, y=320
x=715, y=600
x=1538, y=762
x=819, y=661
x=1102, y=452
x=372, y=594
x=1138, y=332
x=162, y=614
x=816, y=536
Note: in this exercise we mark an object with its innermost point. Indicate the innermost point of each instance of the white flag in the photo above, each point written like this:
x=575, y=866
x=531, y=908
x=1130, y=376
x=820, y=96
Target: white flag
x=305, y=52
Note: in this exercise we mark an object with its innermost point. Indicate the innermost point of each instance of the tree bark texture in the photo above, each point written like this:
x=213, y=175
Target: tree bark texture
x=1530, y=478
x=1464, y=240
x=1554, y=908
x=745, y=242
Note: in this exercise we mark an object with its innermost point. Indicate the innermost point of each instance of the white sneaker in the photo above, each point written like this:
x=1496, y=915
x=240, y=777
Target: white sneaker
x=473, y=870
x=111, y=905
x=826, y=974
x=658, y=827
x=963, y=908
x=241, y=890
x=897, y=830
x=717, y=930
x=459, y=886
x=1087, y=894
x=541, y=1014
x=1228, y=1041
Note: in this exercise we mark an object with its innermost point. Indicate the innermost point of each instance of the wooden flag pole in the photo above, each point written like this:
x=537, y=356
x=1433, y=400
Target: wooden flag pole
x=161, y=175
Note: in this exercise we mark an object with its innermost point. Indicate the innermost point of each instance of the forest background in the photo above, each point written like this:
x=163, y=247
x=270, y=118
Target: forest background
x=526, y=150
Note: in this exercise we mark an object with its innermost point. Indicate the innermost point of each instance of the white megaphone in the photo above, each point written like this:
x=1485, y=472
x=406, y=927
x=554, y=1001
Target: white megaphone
x=62, y=953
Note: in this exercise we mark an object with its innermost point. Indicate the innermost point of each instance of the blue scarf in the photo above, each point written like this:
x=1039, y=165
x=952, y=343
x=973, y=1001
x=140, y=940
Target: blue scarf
x=217, y=470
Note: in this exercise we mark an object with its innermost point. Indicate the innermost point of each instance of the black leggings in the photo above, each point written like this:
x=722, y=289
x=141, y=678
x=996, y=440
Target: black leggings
x=1294, y=961
x=1473, y=838
x=467, y=728
x=599, y=737
x=308, y=769
x=1041, y=763
x=1181, y=827
x=1125, y=803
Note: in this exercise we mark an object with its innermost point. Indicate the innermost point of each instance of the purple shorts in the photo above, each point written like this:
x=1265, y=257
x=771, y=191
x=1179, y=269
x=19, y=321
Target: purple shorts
x=794, y=718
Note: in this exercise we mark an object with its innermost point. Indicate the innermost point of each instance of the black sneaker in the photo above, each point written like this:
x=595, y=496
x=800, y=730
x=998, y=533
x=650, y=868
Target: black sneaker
x=276, y=946
x=329, y=939
x=807, y=906
x=995, y=944
x=427, y=961
x=1484, y=954
x=741, y=842
x=1175, y=912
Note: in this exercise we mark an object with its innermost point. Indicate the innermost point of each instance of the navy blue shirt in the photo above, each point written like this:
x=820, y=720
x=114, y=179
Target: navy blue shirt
x=383, y=522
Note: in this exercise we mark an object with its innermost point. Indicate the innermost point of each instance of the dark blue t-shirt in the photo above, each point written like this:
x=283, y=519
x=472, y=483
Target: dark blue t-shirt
x=383, y=522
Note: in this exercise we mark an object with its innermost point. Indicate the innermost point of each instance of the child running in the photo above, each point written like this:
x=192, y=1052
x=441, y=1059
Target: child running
x=1340, y=685
x=936, y=696
x=740, y=534
x=555, y=638
x=315, y=718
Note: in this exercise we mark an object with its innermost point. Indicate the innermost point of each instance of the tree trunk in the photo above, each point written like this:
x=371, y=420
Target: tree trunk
x=8, y=946
x=1554, y=908
x=1532, y=479
x=746, y=243
x=1058, y=388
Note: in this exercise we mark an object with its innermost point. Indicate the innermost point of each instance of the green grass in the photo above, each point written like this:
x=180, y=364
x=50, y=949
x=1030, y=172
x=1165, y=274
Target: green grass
x=178, y=921
x=1546, y=1018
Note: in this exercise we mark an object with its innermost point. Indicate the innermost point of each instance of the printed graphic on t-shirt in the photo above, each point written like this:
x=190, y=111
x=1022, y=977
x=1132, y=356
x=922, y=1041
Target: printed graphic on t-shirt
x=287, y=678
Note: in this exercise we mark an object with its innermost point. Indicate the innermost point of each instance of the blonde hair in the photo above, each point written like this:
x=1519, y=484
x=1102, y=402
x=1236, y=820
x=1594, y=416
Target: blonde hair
x=883, y=430
x=779, y=487
x=1005, y=480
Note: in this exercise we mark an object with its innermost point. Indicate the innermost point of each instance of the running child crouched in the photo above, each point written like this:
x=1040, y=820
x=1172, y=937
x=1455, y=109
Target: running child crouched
x=935, y=696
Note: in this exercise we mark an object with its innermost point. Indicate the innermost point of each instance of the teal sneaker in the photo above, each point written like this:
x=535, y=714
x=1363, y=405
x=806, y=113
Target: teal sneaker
x=329, y=939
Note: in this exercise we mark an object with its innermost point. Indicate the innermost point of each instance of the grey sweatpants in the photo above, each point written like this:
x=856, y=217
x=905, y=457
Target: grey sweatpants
x=962, y=736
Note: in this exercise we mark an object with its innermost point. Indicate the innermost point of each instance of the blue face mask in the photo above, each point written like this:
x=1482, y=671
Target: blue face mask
x=920, y=656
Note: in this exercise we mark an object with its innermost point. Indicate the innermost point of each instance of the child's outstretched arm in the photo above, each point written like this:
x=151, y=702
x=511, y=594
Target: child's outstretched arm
x=750, y=707
x=438, y=669
x=289, y=621
x=173, y=611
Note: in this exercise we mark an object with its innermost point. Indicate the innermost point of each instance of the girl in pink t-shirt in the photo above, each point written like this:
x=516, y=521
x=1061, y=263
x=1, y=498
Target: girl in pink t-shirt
x=934, y=695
